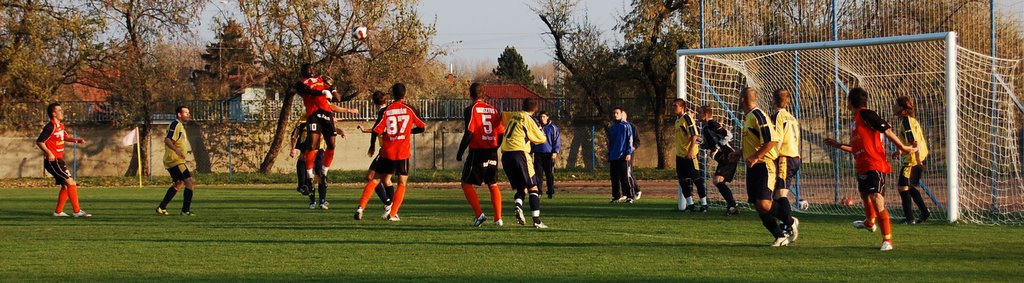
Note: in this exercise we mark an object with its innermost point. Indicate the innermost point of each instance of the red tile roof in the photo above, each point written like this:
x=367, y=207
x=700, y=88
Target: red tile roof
x=509, y=91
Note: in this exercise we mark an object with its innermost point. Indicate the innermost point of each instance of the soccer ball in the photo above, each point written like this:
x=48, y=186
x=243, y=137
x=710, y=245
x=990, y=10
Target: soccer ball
x=848, y=201
x=360, y=32
x=803, y=204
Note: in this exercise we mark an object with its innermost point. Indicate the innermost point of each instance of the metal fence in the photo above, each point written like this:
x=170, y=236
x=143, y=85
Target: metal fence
x=250, y=111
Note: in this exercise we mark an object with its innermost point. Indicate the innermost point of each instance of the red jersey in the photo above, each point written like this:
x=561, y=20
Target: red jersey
x=484, y=121
x=866, y=141
x=53, y=137
x=395, y=132
x=314, y=103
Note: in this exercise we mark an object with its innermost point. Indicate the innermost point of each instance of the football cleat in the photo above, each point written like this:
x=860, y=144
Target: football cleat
x=387, y=211
x=886, y=246
x=187, y=213
x=629, y=200
x=704, y=208
x=690, y=208
x=638, y=194
x=732, y=210
x=359, y=214
x=480, y=220
x=499, y=223
x=923, y=217
x=780, y=242
x=859, y=224
x=540, y=225
x=82, y=213
x=519, y=216
x=161, y=211
x=312, y=206
x=394, y=218
x=302, y=190
x=908, y=221
x=61, y=214
x=324, y=206
x=794, y=230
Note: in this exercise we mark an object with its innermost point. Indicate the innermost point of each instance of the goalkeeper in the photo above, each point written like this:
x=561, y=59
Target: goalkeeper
x=716, y=140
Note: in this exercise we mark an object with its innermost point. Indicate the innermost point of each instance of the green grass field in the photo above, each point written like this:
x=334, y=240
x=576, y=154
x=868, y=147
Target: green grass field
x=269, y=234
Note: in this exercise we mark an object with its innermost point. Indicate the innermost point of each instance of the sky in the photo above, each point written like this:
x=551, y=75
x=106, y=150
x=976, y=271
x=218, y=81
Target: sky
x=479, y=30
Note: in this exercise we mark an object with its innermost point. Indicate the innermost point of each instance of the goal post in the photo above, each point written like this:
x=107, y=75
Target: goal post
x=946, y=82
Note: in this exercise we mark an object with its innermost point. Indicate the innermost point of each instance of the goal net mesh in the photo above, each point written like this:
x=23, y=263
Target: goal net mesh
x=990, y=120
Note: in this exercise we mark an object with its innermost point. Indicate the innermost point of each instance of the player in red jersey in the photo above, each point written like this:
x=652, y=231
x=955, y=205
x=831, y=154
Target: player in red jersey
x=870, y=162
x=396, y=135
x=51, y=142
x=316, y=93
x=482, y=137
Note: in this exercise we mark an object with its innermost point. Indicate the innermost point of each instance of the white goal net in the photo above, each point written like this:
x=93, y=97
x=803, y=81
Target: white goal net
x=975, y=143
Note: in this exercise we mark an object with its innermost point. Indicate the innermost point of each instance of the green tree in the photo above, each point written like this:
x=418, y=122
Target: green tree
x=512, y=68
x=229, y=60
x=43, y=46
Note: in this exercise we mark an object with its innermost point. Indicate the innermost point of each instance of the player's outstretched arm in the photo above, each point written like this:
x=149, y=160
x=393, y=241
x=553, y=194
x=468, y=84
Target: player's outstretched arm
x=834, y=144
x=899, y=144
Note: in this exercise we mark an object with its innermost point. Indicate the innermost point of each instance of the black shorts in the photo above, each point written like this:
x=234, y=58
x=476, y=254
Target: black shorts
x=687, y=168
x=787, y=166
x=726, y=167
x=179, y=173
x=373, y=164
x=386, y=166
x=321, y=122
x=481, y=167
x=870, y=183
x=58, y=170
x=760, y=182
x=910, y=176
x=519, y=169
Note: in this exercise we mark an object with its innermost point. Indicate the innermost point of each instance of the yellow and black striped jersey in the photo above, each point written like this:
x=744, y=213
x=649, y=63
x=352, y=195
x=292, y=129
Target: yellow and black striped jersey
x=757, y=131
x=176, y=132
x=301, y=135
x=910, y=132
x=521, y=131
x=789, y=130
x=686, y=128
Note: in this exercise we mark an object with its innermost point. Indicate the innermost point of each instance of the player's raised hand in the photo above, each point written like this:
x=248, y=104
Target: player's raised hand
x=831, y=142
x=293, y=152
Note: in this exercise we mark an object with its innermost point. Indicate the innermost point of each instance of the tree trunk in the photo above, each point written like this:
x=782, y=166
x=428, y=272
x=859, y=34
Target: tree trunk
x=279, y=133
x=659, y=131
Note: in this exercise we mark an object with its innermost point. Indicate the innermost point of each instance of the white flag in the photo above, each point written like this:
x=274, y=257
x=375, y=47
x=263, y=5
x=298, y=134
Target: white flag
x=131, y=138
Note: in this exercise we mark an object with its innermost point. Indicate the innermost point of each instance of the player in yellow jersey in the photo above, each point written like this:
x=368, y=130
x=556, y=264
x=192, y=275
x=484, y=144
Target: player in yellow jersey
x=909, y=131
x=788, y=162
x=522, y=131
x=178, y=148
x=687, y=169
x=759, y=140
x=300, y=145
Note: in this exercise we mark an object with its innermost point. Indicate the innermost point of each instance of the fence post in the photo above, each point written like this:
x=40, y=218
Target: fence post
x=593, y=149
x=231, y=166
x=74, y=166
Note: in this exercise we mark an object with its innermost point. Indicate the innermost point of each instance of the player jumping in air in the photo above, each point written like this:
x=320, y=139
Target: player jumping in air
x=482, y=137
x=788, y=162
x=717, y=140
x=687, y=169
x=396, y=128
x=316, y=93
x=759, y=140
x=51, y=142
x=178, y=148
x=870, y=162
x=384, y=193
x=520, y=132
x=910, y=132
